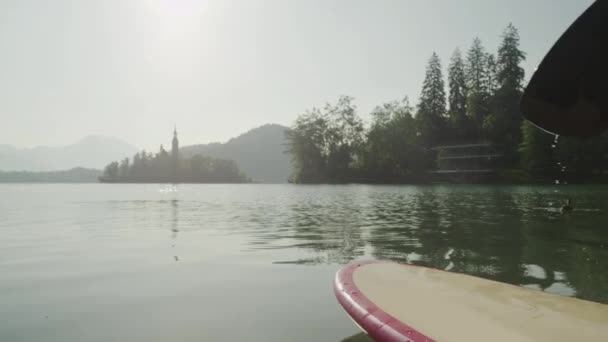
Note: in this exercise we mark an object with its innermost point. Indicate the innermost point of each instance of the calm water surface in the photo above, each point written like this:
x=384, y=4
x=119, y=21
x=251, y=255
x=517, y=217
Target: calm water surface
x=98, y=262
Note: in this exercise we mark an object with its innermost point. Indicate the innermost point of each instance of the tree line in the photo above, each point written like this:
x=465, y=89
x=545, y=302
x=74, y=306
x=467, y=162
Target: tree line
x=481, y=104
x=165, y=168
x=74, y=175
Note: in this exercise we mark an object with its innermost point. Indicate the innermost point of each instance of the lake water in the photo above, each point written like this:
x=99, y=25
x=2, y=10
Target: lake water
x=103, y=262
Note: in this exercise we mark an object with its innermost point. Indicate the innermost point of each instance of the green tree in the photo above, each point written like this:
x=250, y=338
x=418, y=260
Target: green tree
x=123, y=168
x=345, y=135
x=459, y=122
x=111, y=171
x=306, y=142
x=503, y=124
x=536, y=151
x=491, y=76
x=325, y=145
x=476, y=72
x=157, y=168
x=510, y=74
x=431, y=115
x=393, y=151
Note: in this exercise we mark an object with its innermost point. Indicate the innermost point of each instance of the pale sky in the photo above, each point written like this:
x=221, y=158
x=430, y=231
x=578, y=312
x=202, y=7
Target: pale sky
x=131, y=69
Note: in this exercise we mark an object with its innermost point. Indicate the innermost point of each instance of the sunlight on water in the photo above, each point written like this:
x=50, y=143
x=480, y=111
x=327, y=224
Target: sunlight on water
x=168, y=189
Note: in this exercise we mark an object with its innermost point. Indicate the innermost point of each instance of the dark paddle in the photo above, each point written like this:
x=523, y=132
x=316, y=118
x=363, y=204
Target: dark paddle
x=568, y=93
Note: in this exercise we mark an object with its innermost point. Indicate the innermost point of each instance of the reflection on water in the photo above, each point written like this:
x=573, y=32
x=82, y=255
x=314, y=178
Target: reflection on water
x=508, y=234
x=265, y=255
x=174, y=224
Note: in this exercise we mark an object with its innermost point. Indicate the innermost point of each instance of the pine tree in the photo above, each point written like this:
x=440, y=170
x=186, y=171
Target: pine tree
x=510, y=74
x=457, y=100
x=476, y=72
x=475, y=68
x=491, y=77
x=503, y=126
x=491, y=84
x=431, y=116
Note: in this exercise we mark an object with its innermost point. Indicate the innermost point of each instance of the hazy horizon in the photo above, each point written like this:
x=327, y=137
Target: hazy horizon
x=131, y=70
x=165, y=141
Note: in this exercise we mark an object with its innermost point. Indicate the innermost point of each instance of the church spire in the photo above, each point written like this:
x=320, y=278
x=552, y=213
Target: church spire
x=175, y=144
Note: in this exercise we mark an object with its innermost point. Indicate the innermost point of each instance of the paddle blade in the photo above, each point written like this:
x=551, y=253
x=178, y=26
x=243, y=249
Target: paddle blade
x=567, y=94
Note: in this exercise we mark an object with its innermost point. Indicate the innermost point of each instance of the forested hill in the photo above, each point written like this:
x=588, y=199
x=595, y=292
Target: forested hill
x=259, y=153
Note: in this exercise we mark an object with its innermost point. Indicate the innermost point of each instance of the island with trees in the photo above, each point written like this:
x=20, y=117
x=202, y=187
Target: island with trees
x=474, y=132
x=165, y=167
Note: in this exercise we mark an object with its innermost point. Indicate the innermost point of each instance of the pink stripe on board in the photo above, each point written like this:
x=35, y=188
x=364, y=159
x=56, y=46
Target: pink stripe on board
x=378, y=324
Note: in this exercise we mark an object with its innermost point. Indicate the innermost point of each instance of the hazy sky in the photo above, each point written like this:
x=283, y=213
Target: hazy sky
x=131, y=69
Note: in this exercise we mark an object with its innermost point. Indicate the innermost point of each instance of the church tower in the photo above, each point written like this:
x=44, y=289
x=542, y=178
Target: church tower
x=175, y=146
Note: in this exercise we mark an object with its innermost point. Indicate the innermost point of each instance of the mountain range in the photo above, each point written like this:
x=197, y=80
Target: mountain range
x=259, y=153
x=92, y=152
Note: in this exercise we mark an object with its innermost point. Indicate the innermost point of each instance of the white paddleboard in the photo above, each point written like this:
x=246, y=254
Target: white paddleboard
x=401, y=302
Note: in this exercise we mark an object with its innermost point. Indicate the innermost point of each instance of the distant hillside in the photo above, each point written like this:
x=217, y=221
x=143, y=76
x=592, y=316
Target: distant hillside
x=76, y=175
x=259, y=153
x=91, y=152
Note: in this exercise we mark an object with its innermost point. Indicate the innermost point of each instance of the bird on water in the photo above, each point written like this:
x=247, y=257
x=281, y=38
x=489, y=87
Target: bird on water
x=568, y=207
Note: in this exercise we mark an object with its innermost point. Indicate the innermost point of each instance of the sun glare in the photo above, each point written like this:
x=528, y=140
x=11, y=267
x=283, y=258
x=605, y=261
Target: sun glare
x=178, y=8
x=172, y=30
